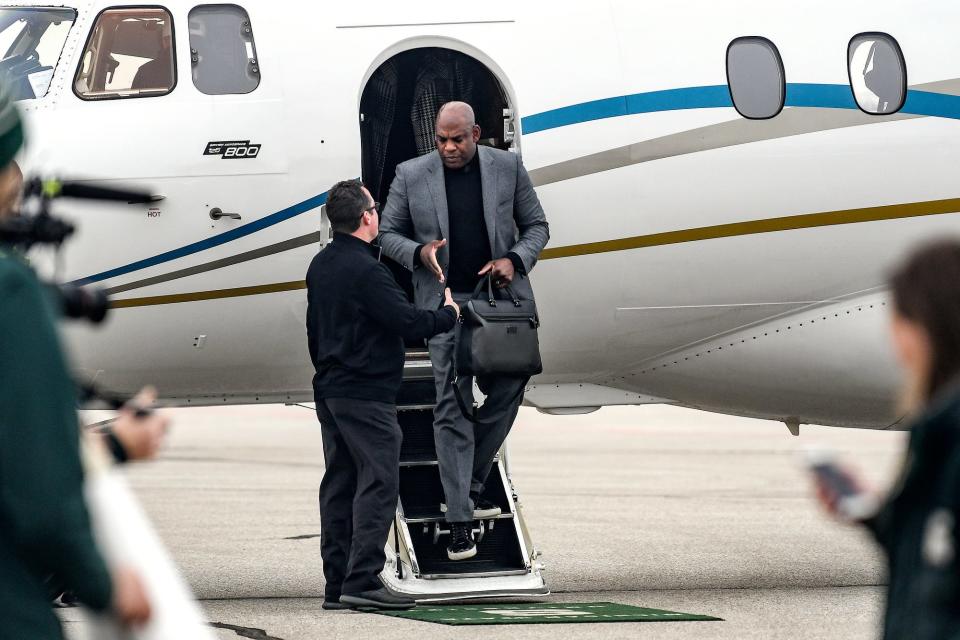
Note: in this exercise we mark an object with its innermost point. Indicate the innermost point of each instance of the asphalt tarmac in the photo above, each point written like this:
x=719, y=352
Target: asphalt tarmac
x=650, y=506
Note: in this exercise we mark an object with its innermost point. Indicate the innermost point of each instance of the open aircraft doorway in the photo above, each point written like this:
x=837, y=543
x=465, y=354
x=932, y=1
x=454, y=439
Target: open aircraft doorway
x=400, y=102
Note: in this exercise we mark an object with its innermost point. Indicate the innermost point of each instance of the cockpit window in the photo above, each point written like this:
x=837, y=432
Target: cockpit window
x=222, y=50
x=878, y=73
x=31, y=41
x=129, y=54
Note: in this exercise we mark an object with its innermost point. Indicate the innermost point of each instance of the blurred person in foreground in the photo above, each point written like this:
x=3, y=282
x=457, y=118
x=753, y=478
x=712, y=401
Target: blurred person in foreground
x=916, y=524
x=45, y=534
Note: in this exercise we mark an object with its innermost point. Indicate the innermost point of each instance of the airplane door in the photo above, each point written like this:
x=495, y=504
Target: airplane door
x=400, y=102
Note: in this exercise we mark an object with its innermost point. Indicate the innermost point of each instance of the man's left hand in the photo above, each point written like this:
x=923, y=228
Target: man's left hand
x=502, y=271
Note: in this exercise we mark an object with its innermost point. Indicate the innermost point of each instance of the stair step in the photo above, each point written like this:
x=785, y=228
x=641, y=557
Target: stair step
x=418, y=368
x=426, y=461
x=421, y=492
x=418, y=442
x=442, y=519
x=497, y=553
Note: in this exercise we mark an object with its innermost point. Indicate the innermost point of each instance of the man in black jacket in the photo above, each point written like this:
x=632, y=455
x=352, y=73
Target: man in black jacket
x=357, y=320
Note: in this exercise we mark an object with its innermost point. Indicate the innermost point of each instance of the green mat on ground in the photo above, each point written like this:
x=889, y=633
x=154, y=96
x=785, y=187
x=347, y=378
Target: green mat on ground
x=540, y=613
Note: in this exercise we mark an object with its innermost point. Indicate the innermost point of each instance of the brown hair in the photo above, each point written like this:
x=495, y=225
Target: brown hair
x=345, y=205
x=926, y=291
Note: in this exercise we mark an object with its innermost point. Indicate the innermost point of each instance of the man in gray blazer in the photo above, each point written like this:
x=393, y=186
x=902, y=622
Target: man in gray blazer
x=453, y=216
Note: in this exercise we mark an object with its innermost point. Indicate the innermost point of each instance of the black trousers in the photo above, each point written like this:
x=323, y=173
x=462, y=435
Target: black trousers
x=359, y=491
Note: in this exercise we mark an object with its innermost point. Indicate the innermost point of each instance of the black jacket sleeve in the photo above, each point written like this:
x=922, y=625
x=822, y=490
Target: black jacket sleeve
x=382, y=299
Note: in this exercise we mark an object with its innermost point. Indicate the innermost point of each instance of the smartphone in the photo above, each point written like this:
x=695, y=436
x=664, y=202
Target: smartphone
x=852, y=503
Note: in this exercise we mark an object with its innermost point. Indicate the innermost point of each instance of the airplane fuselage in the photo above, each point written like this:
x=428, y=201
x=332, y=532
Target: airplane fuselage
x=697, y=257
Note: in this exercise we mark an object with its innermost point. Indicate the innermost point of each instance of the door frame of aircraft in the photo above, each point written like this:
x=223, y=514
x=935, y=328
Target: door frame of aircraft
x=406, y=47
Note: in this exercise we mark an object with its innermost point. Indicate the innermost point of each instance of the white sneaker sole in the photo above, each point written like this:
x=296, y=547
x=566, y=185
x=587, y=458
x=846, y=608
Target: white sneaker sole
x=478, y=514
x=462, y=555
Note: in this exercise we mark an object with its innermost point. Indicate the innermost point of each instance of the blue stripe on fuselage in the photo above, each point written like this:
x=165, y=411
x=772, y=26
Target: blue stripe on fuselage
x=223, y=238
x=799, y=94
x=668, y=100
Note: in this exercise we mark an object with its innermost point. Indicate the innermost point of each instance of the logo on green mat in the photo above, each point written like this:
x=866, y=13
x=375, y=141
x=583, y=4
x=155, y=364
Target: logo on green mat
x=541, y=613
x=533, y=613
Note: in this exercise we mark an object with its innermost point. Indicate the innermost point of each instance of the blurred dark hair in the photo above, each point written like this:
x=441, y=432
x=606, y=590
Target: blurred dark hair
x=926, y=290
x=345, y=205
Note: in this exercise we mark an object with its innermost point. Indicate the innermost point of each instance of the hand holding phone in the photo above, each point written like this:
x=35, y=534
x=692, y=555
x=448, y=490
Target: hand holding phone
x=838, y=489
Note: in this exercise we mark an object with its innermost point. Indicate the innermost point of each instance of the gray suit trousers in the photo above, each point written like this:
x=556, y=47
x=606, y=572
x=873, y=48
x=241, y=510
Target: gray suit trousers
x=465, y=451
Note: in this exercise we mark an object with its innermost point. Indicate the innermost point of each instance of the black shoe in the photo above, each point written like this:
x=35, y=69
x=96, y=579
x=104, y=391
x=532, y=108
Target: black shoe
x=334, y=605
x=483, y=509
x=65, y=600
x=377, y=599
x=462, y=546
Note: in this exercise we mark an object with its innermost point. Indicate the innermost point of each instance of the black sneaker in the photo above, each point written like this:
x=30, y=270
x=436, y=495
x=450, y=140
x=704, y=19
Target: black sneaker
x=377, y=599
x=462, y=545
x=482, y=509
x=334, y=605
x=65, y=600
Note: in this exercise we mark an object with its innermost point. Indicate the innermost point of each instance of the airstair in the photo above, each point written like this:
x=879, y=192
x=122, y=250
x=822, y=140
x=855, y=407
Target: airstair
x=506, y=562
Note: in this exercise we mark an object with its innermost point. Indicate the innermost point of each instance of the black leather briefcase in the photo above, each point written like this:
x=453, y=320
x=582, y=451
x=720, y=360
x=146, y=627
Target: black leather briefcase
x=497, y=336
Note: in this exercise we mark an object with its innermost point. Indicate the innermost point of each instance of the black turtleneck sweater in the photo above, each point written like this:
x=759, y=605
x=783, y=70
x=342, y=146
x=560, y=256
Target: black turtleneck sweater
x=469, y=243
x=357, y=320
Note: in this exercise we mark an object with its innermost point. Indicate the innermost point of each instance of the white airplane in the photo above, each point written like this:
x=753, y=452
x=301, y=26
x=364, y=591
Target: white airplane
x=726, y=184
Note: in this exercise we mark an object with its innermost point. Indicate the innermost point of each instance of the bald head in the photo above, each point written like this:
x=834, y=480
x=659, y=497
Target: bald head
x=457, y=134
x=453, y=113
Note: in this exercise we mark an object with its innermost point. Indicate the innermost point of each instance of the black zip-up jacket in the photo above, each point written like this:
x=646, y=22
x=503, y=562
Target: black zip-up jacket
x=919, y=528
x=357, y=320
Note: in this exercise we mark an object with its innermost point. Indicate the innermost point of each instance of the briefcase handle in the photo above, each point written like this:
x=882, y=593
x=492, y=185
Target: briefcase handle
x=491, y=298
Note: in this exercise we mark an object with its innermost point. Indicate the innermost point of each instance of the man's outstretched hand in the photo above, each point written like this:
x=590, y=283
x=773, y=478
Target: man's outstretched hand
x=449, y=302
x=502, y=271
x=428, y=257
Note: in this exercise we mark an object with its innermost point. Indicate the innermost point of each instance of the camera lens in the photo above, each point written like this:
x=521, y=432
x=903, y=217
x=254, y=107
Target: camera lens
x=83, y=303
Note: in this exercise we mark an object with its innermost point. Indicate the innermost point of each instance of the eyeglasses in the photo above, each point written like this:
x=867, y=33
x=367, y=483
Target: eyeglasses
x=375, y=207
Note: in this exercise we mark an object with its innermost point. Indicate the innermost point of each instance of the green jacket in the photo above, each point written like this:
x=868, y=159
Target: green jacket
x=44, y=526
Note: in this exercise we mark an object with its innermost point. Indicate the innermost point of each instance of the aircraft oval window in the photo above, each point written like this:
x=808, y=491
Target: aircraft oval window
x=222, y=50
x=31, y=40
x=755, y=77
x=878, y=73
x=129, y=54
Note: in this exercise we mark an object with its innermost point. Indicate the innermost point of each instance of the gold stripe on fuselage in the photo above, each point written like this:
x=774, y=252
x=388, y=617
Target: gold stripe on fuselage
x=769, y=225
x=216, y=294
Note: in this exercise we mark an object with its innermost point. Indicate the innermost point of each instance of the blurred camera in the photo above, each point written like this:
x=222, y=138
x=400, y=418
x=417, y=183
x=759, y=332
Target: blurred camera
x=25, y=231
